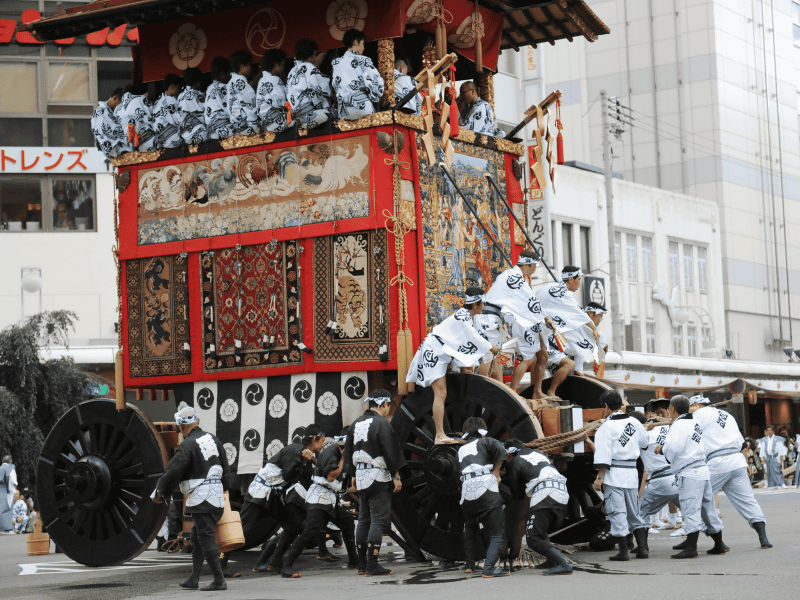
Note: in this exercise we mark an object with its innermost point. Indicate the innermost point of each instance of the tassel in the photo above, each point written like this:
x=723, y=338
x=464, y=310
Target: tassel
x=454, y=127
x=288, y=107
x=559, y=137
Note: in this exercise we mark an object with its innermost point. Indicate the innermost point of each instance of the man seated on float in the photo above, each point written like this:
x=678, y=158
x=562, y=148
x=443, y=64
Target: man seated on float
x=191, y=108
x=403, y=84
x=165, y=113
x=308, y=90
x=558, y=303
x=271, y=105
x=453, y=340
x=241, y=96
x=218, y=121
x=125, y=99
x=137, y=120
x=595, y=310
x=106, y=128
x=511, y=297
x=474, y=112
x=357, y=83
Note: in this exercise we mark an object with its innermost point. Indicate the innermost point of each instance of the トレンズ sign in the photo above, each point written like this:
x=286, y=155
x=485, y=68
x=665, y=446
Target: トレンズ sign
x=51, y=159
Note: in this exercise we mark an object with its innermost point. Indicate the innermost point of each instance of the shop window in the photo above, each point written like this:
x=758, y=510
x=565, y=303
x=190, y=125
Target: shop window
x=20, y=132
x=68, y=82
x=20, y=204
x=73, y=204
x=70, y=132
x=23, y=95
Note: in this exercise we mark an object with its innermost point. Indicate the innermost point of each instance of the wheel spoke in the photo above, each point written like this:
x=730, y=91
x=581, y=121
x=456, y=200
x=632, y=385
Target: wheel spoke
x=88, y=441
x=415, y=448
x=424, y=436
x=130, y=494
x=76, y=445
x=121, y=522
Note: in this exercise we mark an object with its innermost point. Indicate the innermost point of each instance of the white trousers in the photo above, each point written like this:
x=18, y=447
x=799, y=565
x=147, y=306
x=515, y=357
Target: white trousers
x=736, y=485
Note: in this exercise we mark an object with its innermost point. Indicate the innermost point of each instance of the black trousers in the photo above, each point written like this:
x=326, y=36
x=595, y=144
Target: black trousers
x=317, y=518
x=374, y=513
x=493, y=521
x=261, y=521
x=541, y=521
x=203, y=537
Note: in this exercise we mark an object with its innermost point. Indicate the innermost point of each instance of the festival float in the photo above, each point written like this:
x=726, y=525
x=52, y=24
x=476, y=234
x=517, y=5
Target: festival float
x=274, y=280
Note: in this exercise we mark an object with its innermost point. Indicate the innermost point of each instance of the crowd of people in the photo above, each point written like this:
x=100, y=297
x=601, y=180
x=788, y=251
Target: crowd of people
x=239, y=97
x=17, y=514
x=769, y=456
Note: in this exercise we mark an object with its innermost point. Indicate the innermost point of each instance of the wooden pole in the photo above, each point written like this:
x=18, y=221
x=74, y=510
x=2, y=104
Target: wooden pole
x=119, y=386
x=386, y=69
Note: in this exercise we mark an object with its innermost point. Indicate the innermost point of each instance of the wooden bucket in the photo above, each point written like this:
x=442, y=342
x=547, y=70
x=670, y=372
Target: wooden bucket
x=228, y=531
x=38, y=542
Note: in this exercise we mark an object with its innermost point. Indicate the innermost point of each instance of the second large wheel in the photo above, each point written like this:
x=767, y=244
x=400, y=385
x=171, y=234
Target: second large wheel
x=427, y=510
x=97, y=469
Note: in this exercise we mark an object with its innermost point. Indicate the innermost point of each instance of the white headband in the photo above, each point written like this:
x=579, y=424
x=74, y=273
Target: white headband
x=527, y=260
x=566, y=275
x=473, y=299
x=512, y=450
x=481, y=432
x=595, y=310
x=378, y=400
x=699, y=399
x=186, y=416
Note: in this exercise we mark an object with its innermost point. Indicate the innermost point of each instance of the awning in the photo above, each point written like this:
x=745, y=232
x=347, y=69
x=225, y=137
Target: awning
x=525, y=22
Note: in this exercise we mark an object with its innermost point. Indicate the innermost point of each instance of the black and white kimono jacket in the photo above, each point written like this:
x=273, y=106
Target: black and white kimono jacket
x=455, y=338
x=479, y=118
x=200, y=468
x=560, y=305
x=323, y=492
x=123, y=105
x=241, y=105
x=531, y=474
x=372, y=452
x=108, y=131
x=168, y=121
x=218, y=121
x=139, y=114
x=404, y=84
x=479, y=487
x=270, y=103
x=309, y=93
x=281, y=474
x=358, y=85
x=191, y=108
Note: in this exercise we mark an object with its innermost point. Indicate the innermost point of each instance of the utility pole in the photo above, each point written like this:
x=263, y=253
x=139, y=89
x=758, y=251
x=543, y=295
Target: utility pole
x=612, y=297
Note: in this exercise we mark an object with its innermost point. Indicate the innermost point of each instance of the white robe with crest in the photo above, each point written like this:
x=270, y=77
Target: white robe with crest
x=241, y=105
x=358, y=85
x=270, y=101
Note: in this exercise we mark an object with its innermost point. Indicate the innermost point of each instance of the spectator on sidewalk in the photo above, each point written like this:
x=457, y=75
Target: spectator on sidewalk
x=20, y=513
x=8, y=487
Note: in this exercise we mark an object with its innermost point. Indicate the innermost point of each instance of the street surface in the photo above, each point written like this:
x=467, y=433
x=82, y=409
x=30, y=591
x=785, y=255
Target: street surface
x=745, y=572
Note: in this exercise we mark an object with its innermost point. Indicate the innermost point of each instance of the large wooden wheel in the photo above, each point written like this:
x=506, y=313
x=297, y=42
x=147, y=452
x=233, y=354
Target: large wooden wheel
x=97, y=469
x=427, y=511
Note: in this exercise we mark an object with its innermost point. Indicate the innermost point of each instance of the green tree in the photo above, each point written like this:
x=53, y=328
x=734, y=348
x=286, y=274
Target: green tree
x=34, y=393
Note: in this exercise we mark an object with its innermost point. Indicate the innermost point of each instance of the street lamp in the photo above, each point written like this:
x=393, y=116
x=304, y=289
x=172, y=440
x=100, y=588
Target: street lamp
x=31, y=283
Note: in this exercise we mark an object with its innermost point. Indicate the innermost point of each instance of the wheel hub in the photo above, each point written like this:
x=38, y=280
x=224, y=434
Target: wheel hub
x=90, y=481
x=441, y=466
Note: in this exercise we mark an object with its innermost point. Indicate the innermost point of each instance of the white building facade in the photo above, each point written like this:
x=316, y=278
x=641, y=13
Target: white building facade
x=712, y=87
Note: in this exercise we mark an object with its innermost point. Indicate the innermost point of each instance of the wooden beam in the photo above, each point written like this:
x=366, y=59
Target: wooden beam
x=551, y=19
x=519, y=28
x=532, y=22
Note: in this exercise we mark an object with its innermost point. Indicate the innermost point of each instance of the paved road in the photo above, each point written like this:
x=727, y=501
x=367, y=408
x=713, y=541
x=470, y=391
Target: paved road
x=746, y=572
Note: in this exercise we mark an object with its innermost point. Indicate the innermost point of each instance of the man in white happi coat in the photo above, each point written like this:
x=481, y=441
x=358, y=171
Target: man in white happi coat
x=106, y=127
x=618, y=444
x=403, y=84
x=723, y=444
x=772, y=451
x=241, y=96
x=166, y=115
x=683, y=449
x=308, y=90
x=510, y=299
x=453, y=340
x=218, y=121
x=658, y=487
x=558, y=303
x=138, y=122
x=271, y=107
x=192, y=108
x=474, y=112
x=357, y=83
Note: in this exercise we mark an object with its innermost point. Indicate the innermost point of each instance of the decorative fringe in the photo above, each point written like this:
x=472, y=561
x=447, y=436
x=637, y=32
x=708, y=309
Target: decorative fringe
x=289, y=118
x=559, y=137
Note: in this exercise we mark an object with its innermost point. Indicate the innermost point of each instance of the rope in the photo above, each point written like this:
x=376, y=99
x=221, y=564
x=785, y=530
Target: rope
x=398, y=229
x=553, y=443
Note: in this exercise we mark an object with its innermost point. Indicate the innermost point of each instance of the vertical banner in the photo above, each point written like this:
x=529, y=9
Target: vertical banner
x=205, y=403
x=538, y=222
x=253, y=420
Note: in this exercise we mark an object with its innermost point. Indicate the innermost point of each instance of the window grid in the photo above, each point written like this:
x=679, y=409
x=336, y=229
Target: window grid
x=674, y=266
x=650, y=336
x=677, y=339
x=688, y=267
x=691, y=339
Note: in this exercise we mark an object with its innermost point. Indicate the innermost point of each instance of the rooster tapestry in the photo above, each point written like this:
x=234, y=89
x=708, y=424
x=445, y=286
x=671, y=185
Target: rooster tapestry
x=284, y=187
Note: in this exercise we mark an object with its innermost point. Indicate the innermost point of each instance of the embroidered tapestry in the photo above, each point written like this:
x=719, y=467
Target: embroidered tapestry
x=285, y=187
x=255, y=418
x=251, y=300
x=158, y=316
x=457, y=252
x=350, y=288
